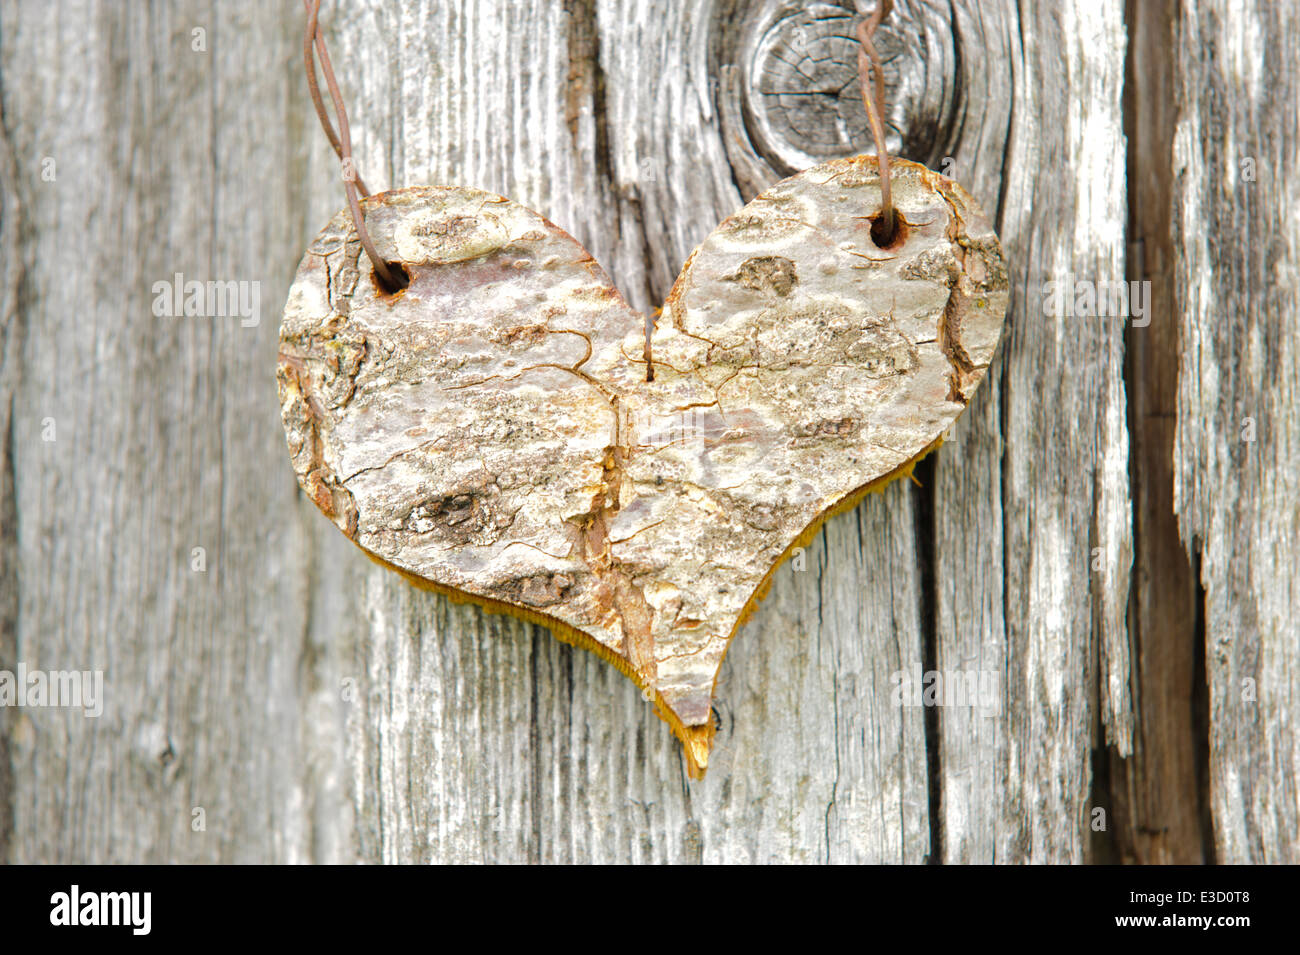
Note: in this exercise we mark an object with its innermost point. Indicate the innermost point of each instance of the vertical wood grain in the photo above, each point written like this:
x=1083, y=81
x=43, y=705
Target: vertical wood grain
x=1157, y=791
x=217, y=682
x=11, y=276
x=1033, y=494
x=1237, y=444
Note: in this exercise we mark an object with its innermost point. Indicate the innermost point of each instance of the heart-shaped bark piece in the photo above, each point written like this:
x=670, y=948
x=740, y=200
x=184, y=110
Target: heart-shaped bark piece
x=497, y=431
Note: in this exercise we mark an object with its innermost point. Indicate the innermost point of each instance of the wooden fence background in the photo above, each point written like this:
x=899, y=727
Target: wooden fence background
x=1112, y=529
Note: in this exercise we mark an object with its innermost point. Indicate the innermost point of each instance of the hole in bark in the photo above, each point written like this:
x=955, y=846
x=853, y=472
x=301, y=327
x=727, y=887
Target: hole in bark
x=888, y=233
x=402, y=277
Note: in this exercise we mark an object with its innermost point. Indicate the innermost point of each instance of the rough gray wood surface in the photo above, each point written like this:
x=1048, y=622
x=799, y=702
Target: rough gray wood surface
x=221, y=696
x=1237, y=445
x=1038, y=478
x=316, y=708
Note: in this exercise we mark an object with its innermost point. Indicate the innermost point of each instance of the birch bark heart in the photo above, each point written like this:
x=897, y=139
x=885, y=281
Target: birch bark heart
x=490, y=431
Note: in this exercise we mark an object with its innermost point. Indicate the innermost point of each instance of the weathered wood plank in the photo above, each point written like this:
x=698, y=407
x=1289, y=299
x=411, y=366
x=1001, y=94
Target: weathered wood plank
x=1157, y=793
x=219, y=684
x=1035, y=479
x=1237, y=446
x=11, y=277
x=970, y=618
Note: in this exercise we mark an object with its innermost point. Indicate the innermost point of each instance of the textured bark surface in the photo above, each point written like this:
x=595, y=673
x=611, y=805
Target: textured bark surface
x=319, y=708
x=502, y=428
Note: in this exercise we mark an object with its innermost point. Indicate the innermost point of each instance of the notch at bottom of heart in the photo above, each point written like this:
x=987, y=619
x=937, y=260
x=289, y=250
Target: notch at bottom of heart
x=498, y=431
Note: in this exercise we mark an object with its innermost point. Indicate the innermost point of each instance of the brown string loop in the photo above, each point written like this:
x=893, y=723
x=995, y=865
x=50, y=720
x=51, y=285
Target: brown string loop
x=342, y=140
x=869, y=63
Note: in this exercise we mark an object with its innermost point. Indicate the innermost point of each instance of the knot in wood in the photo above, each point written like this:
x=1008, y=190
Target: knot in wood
x=803, y=95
